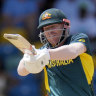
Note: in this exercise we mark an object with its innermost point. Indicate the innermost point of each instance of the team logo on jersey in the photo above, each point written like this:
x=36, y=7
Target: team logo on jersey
x=46, y=16
x=82, y=40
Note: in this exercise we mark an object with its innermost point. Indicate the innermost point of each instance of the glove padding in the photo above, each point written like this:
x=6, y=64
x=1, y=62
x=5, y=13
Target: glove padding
x=35, y=63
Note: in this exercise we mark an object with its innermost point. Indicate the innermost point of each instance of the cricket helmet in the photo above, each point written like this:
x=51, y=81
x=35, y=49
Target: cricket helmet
x=53, y=16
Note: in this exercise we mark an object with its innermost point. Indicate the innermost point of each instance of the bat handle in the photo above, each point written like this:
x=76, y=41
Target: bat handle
x=32, y=48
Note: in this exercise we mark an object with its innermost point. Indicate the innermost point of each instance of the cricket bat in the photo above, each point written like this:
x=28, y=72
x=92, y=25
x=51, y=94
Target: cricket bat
x=20, y=42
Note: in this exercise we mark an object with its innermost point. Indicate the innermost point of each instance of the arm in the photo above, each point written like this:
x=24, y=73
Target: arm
x=35, y=64
x=21, y=69
x=67, y=52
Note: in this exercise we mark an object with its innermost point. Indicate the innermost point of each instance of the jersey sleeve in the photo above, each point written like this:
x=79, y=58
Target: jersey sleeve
x=81, y=37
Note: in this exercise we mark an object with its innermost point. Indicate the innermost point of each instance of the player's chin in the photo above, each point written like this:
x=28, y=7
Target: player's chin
x=53, y=42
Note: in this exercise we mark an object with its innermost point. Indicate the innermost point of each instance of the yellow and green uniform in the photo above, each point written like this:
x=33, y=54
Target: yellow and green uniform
x=71, y=77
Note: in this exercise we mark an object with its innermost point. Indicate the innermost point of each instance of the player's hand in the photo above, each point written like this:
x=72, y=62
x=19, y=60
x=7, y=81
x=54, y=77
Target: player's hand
x=36, y=63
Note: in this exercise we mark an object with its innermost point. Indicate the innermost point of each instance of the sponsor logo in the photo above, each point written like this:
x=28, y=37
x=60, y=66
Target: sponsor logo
x=82, y=40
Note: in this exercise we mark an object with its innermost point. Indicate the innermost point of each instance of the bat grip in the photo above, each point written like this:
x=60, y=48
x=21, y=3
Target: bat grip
x=32, y=48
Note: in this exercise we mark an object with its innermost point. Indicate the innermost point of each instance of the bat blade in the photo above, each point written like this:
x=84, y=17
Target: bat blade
x=20, y=42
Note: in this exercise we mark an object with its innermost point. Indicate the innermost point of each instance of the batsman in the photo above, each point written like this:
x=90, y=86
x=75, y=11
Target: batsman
x=66, y=59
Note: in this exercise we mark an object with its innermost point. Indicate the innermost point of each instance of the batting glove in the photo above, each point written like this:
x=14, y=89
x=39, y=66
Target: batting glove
x=35, y=63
